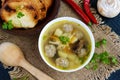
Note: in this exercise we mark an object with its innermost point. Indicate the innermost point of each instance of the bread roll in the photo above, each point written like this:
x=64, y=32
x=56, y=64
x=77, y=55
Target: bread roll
x=108, y=8
x=33, y=10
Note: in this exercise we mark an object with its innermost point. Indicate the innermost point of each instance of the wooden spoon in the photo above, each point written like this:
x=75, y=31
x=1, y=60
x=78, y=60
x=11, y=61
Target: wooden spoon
x=11, y=55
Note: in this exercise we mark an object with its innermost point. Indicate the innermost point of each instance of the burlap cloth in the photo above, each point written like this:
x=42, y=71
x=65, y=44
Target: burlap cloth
x=29, y=46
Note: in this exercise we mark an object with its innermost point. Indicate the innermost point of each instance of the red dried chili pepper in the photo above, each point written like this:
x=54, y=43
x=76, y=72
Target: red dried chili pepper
x=79, y=11
x=88, y=12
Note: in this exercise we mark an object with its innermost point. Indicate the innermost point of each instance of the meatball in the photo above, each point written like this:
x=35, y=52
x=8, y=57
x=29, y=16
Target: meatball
x=67, y=28
x=82, y=52
x=63, y=62
x=50, y=50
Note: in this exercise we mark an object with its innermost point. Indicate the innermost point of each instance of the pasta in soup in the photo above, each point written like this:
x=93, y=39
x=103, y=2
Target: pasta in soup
x=66, y=45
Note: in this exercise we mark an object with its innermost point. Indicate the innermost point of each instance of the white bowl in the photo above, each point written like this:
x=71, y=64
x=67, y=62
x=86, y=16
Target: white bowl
x=85, y=27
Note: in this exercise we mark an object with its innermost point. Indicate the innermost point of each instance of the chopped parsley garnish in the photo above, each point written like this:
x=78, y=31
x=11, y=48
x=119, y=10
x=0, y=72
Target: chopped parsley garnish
x=20, y=14
x=104, y=41
x=114, y=60
x=7, y=25
x=64, y=39
x=102, y=58
x=99, y=43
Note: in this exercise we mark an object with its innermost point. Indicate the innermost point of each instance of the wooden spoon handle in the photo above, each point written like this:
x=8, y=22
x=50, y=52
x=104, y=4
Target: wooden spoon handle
x=34, y=71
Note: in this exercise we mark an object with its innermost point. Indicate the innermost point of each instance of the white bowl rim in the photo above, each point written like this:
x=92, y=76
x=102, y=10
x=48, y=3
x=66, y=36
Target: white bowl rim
x=76, y=21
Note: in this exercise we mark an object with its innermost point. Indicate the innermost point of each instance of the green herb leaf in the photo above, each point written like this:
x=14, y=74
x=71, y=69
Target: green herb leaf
x=4, y=25
x=10, y=25
x=95, y=67
x=106, y=61
x=20, y=14
x=93, y=61
x=87, y=66
x=7, y=25
x=114, y=60
x=97, y=44
x=104, y=41
x=104, y=55
x=64, y=39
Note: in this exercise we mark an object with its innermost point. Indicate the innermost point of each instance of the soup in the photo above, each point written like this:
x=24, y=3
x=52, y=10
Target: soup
x=66, y=45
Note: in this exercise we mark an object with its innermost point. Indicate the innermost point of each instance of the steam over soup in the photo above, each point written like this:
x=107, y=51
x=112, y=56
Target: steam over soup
x=66, y=45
